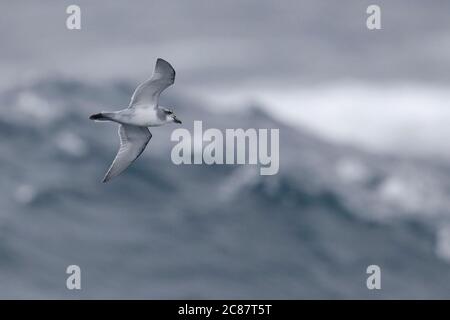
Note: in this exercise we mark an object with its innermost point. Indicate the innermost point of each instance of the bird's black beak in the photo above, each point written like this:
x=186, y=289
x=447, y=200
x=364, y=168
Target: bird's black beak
x=176, y=120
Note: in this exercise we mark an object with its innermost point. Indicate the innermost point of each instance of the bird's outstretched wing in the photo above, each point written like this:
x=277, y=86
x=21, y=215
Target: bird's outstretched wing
x=148, y=92
x=133, y=140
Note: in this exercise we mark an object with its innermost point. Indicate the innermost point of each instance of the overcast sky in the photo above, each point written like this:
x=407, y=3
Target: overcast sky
x=218, y=42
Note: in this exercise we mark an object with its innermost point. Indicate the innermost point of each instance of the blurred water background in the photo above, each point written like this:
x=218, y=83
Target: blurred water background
x=364, y=165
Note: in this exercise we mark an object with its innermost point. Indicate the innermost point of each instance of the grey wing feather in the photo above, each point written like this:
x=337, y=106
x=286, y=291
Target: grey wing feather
x=133, y=140
x=148, y=92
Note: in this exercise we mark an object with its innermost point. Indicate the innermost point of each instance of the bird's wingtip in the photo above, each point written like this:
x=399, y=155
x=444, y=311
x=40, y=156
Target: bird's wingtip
x=163, y=61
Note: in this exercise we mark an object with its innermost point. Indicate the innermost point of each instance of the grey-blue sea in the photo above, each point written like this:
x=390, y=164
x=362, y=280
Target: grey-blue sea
x=198, y=231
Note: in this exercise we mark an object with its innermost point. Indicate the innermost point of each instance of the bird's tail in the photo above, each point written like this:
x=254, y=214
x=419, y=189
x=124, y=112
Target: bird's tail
x=102, y=116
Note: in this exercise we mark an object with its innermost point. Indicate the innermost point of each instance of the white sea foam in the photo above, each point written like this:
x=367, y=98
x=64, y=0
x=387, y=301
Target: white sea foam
x=71, y=144
x=25, y=193
x=396, y=118
x=34, y=107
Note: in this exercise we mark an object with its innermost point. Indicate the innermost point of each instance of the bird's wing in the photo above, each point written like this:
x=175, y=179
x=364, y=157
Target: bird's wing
x=148, y=92
x=133, y=140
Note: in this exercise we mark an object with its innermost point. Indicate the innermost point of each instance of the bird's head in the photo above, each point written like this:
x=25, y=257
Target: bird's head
x=170, y=116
